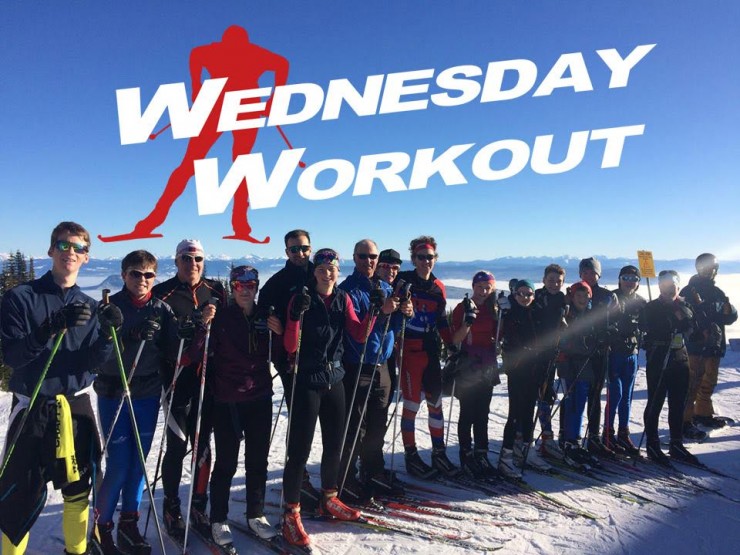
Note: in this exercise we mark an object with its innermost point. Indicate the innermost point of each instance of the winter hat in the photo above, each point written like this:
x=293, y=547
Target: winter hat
x=189, y=246
x=512, y=284
x=580, y=285
x=524, y=283
x=630, y=270
x=244, y=273
x=483, y=275
x=590, y=264
x=389, y=256
x=326, y=256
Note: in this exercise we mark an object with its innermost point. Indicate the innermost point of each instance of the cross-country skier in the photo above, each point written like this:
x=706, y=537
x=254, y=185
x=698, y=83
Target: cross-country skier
x=149, y=321
x=421, y=369
x=187, y=291
x=362, y=287
x=706, y=346
x=624, y=341
x=32, y=317
x=667, y=321
x=473, y=328
x=317, y=323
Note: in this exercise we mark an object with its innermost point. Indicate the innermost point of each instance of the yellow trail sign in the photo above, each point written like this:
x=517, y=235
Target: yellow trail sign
x=646, y=263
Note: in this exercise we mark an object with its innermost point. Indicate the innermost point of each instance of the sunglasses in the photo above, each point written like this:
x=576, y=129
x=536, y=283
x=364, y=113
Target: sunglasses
x=250, y=285
x=631, y=278
x=365, y=256
x=77, y=248
x=138, y=275
x=295, y=249
x=326, y=258
x=524, y=295
x=189, y=258
x=426, y=257
x=386, y=266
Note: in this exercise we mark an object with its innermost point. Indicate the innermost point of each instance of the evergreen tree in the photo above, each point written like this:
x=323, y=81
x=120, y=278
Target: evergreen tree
x=15, y=271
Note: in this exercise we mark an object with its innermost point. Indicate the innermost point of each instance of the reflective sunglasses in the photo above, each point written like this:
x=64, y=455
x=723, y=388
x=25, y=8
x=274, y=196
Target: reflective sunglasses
x=631, y=278
x=365, y=256
x=524, y=295
x=386, y=266
x=250, y=285
x=426, y=257
x=138, y=274
x=77, y=248
x=295, y=249
x=326, y=258
x=190, y=258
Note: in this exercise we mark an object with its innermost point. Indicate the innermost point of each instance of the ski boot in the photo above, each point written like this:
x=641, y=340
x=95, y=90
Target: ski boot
x=576, y=456
x=310, y=496
x=354, y=491
x=710, y=422
x=597, y=448
x=518, y=450
x=624, y=440
x=609, y=440
x=655, y=453
x=535, y=461
x=678, y=452
x=691, y=432
x=416, y=466
x=443, y=464
x=101, y=540
x=469, y=465
x=172, y=517
x=292, y=526
x=481, y=457
x=129, y=538
x=261, y=527
x=506, y=466
x=221, y=534
x=331, y=505
x=385, y=482
x=549, y=448
x=198, y=518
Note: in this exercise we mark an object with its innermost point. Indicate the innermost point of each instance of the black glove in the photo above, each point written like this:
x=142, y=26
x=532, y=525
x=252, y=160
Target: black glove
x=109, y=315
x=301, y=302
x=260, y=325
x=69, y=316
x=186, y=330
x=377, y=298
x=471, y=311
x=146, y=331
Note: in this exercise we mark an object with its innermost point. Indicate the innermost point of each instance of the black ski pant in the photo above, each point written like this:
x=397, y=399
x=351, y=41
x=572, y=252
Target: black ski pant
x=672, y=382
x=599, y=360
x=371, y=435
x=251, y=420
x=475, y=402
x=523, y=391
x=183, y=417
x=326, y=405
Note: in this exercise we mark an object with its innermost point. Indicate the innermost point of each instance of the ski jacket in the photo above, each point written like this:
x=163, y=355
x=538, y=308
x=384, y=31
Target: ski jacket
x=520, y=338
x=663, y=330
x=358, y=287
x=156, y=356
x=240, y=351
x=429, y=299
x=708, y=303
x=550, y=311
x=477, y=362
x=322, y=337
x=578, y=346
x=624, y=325
x=82, y=350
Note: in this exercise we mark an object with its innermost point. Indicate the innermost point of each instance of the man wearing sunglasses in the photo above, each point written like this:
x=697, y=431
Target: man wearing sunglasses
x=190, y=296
x=362, y=286
x=624, y=342
x=32, y=317
x=277, y=292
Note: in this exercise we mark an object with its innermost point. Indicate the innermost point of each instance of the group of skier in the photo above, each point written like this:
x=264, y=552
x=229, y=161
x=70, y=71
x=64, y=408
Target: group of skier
x=343, y=352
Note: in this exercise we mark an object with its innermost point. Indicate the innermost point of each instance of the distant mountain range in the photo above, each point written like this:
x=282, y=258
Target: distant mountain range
x=504, y=268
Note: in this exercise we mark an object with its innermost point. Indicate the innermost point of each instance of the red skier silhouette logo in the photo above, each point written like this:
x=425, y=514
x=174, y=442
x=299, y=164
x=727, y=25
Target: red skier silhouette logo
x=242, y=63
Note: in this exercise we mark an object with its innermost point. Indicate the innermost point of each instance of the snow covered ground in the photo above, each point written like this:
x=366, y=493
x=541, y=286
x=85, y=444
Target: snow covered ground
x=698, y=523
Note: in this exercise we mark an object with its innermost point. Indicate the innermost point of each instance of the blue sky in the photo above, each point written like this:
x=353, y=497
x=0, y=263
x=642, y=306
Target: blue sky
x=675, y=192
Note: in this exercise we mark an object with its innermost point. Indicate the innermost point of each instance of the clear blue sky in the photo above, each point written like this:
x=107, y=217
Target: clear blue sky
x=675, y=193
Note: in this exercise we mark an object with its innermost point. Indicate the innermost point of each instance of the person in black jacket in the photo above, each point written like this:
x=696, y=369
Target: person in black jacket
x=624, y=341
x=149, y=343
x=185, y=293
x=667, y=321
x=706, y=346
x=32, y=318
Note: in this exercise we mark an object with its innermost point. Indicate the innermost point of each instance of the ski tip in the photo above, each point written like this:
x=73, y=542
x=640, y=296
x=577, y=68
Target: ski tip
x=129, y=237
x=248, y=238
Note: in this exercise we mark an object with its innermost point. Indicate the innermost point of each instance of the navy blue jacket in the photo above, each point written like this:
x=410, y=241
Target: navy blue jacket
x=82, y=350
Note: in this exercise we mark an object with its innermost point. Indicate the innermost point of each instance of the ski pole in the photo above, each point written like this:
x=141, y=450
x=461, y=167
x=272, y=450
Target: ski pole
x=657, y=386
x=123, y=399
x=32, y=400
x=402, y=339
x=196, y=440
x=449, y=413
x=301, y=164
x=134, y=426
x=364, y=405
x=158, y=133
x=304, y=291
x=167, y=409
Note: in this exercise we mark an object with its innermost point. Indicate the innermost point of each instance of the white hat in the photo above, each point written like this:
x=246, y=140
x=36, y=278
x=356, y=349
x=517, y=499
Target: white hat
x=189, y=246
